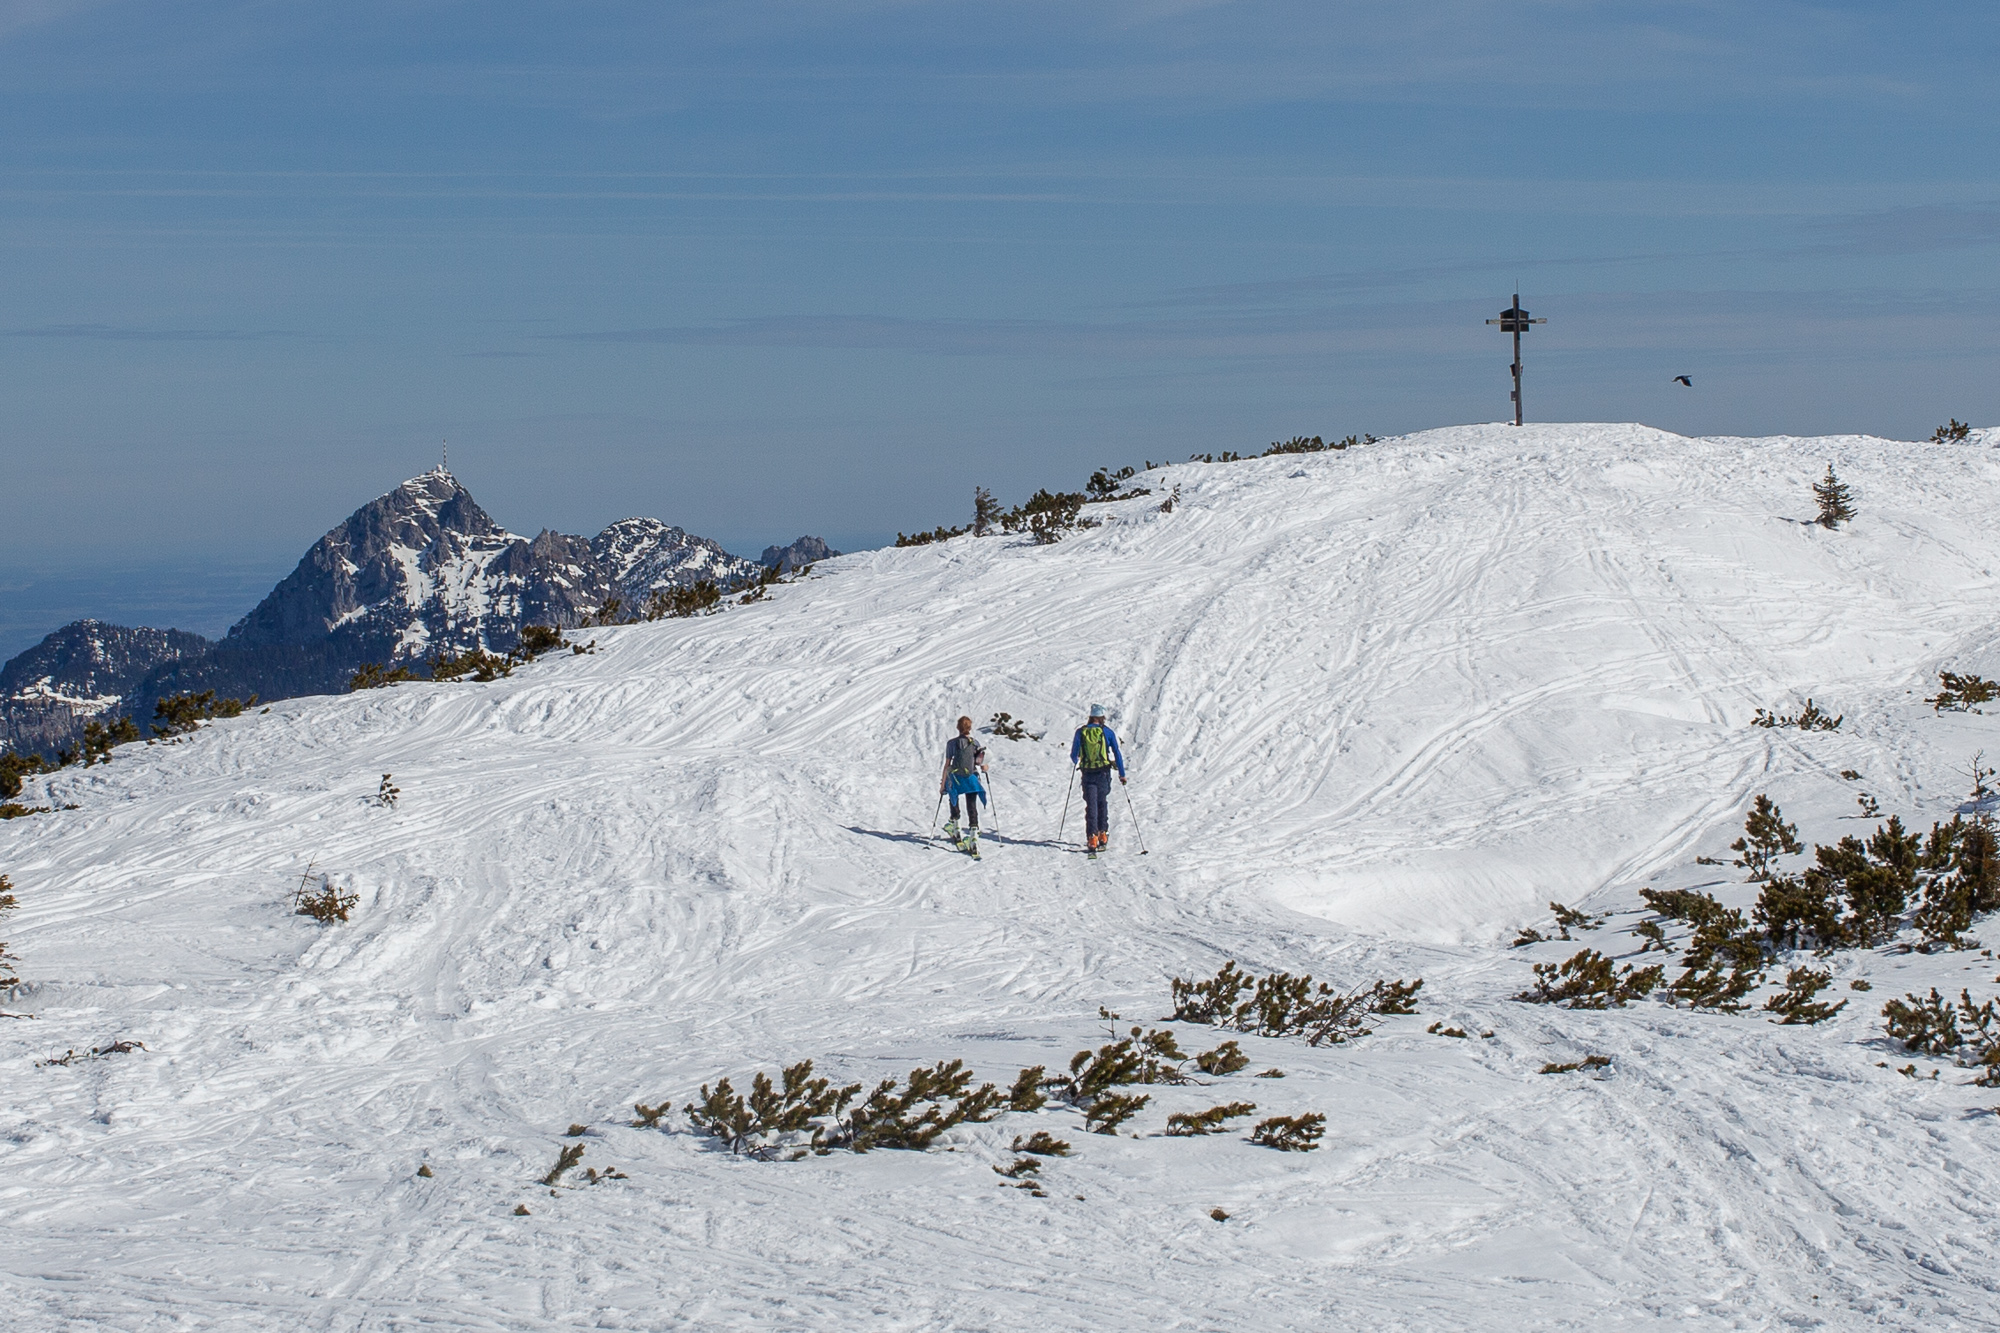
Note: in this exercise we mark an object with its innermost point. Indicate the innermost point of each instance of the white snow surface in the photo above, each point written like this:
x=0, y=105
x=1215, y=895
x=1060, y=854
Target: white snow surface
x=1380, y=706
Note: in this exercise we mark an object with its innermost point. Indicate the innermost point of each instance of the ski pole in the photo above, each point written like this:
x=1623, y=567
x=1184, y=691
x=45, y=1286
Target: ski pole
x=1066, y=795
x=939, y=806
x=1135, y=820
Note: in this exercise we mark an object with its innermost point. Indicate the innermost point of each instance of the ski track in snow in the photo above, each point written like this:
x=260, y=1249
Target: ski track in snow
x=1380, y=707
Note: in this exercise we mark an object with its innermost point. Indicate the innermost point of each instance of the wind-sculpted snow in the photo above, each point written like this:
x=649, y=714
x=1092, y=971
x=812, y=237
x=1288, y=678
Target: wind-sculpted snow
x=1380, y=707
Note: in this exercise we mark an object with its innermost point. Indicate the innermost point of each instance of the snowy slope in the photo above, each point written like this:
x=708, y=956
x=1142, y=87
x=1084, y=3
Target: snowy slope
x=1380, y=705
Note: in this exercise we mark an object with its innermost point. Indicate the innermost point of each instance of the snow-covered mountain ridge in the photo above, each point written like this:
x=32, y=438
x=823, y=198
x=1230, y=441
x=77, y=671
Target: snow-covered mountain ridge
x=419, y=571
x=85, y=670
x=424, y=569
x=1380, y=707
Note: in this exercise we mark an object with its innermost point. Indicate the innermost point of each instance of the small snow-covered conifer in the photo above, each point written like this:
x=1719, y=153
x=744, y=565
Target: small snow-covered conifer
x=1835, y=503
x=1766, y=836
x=986, y=511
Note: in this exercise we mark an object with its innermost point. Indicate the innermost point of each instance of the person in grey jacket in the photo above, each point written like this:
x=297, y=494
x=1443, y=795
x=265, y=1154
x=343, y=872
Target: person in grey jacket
x=964, y=763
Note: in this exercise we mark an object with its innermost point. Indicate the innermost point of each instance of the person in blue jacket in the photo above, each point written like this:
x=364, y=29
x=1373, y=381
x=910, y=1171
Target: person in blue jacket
x=1095, y=752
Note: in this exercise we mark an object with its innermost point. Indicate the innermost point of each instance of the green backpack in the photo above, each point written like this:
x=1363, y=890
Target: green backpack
x=1096, y=754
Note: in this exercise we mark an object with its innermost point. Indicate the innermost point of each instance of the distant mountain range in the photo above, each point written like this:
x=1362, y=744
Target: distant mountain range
x=420, y=571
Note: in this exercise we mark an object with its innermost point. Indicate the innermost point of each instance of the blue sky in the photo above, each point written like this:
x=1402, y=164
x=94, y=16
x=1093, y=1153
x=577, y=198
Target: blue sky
x=765, y=269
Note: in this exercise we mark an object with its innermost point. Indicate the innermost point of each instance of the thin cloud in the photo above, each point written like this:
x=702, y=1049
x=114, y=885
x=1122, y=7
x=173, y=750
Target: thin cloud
x=1917, y=230
x=113, y=333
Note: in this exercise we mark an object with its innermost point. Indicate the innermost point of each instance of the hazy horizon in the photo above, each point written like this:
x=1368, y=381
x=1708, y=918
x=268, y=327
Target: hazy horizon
x=770, y=269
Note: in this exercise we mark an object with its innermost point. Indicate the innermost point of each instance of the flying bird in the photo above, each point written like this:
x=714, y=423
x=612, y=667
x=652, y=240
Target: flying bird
x=1684, y=379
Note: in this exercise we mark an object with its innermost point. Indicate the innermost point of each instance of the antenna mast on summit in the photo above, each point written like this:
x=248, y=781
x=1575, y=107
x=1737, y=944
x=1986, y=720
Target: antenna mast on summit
x=444, y=459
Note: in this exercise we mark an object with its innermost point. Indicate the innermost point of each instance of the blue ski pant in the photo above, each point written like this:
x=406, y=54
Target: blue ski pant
x=1096, y=800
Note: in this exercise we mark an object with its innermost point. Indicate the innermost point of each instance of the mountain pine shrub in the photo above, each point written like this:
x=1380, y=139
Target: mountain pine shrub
x=1587, y=980
x=803, y=1115
x=566, y=1159
x=121, y=1046
x=1796, y=1002
x=374, y=676
x=1835, y=502
x=1981, y=1048
x=1724, y=962
x=1290, y=1133
x=1227, y=1058
x=678, y=603
x=1299, y=444
x=1877, y=878
x=1215, y=1120
x=1654, y=937
x=536, y=640
x=1104, y=485
x=1027, y=1094
x=388, y=793
x=1694, y=908
x=1958, y=879
x=1571, y=1067
x=1110, y=1110
x=1042, y=1143
x=100, y=737
x=773, y=1118
x=1047, y=515
x=986, y=511
x=911, y=1117
x=1150, y=1057
x=1282, y=1005
x=182, y=713
x=1929, y=1025
x=611, y=611
x=475, y=662
x=1766, y=837
x=1810, y=718
x=937, y=534
x=1800, y=912
x=1955, y=433
x=15, y=767
x=1962, y=693
x=1567, y=917
x=325, y=904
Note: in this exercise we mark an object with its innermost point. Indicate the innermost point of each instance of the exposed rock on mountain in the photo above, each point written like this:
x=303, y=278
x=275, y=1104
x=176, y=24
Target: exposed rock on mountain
x=84, y=670
x=804, y=551
x=423, y=570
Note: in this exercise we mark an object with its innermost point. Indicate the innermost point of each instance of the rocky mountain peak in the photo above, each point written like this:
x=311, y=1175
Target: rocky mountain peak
x=804, y=551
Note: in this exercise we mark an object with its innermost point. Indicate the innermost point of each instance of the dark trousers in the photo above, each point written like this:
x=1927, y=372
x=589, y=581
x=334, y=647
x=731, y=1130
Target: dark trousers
x=1096, y=800
x=971, y=809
